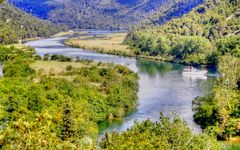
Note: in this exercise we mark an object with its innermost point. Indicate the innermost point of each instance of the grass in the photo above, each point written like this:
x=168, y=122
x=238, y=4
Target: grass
x=111, y=44
x=58, y=68
x=54, y=67
x=18, y=46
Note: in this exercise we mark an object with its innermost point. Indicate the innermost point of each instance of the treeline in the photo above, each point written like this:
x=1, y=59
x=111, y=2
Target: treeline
x=192, y=39
x=52, y=110
x=17, y=25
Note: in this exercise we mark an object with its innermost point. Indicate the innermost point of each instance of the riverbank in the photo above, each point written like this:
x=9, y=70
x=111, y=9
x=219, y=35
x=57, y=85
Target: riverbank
x=113, y=44
x=60, y=34
x=109, y=44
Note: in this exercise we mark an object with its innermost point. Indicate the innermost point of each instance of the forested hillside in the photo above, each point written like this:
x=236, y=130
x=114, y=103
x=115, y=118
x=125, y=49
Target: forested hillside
x=191, y=39
x=16, y=24
x=103, y=14
x=176, y=11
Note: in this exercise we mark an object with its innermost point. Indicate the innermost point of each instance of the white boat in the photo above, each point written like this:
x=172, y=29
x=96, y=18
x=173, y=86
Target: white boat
x=194, y=71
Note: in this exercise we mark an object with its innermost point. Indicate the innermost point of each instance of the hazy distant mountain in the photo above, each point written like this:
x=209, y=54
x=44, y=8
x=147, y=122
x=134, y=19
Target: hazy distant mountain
x=104, y=14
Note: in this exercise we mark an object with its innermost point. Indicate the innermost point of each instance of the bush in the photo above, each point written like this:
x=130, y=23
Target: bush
x=69, y=68
x=17, y=68
x=61, y=58
x=162, y=135
x=230, y=45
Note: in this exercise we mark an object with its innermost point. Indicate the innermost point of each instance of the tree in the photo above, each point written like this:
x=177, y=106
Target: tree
x=218, y=112
x=162, y=135
x=229, y=45
x=229, y=68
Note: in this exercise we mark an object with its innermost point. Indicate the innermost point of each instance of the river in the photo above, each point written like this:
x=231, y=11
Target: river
x=162, y=87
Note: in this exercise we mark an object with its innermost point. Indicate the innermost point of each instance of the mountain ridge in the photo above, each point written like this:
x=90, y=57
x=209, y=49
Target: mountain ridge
x=98, y=14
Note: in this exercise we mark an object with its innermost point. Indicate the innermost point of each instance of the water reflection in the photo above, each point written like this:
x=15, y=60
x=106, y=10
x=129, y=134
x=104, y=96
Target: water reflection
x=152, y=68
x=194, y=78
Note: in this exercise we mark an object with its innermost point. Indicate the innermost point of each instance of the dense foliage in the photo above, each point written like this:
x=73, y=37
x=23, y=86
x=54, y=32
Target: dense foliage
x=59, y=110
x=230, y=45
x=17, y=25
x=219, y=111
x=192, y=39
x=104, y=14
x=163, y=135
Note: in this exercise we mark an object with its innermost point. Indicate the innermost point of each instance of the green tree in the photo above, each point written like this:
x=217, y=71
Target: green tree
x=229, y=45
x=218, y=112
x=162, y=135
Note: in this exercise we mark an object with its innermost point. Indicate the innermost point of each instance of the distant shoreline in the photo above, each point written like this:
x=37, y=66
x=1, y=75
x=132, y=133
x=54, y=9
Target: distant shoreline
x=102, y=44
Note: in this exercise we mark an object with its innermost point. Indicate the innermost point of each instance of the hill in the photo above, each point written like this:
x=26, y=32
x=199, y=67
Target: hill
x=15, y=24
x=176, y=11
x=101, y=14
x=192, y=38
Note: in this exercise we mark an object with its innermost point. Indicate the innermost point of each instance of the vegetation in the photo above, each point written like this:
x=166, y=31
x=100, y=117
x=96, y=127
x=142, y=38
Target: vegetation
x=110, y=44
x=193, y=39
x=104, y=14
x=219, y=111
x=209, y=35
x=162, y=135
x=59, y=106
x=176, y=11
x=56, y=103
x=16, y=25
